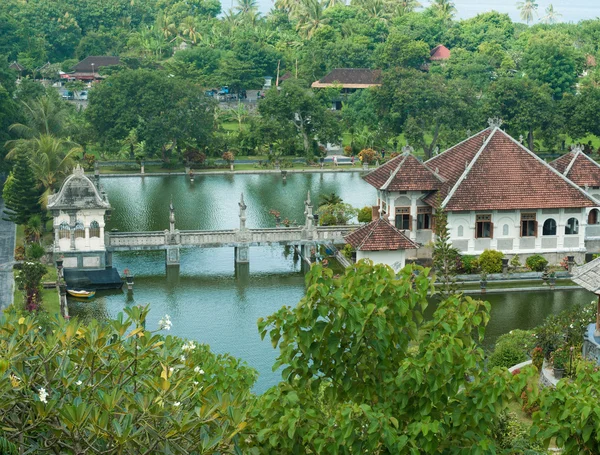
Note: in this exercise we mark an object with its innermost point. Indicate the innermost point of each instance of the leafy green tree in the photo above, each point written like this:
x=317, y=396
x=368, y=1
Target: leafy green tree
x=29, y=281
x=400, y=50
x=363, y=373
x=337, y=214
x=443, y=8
x=294, y=105
x=492, y=27
x=117, y=387
x=580, y=112
x=20, y=193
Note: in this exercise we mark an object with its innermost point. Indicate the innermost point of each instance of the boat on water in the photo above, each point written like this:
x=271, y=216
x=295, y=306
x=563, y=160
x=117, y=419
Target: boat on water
x=81, y=294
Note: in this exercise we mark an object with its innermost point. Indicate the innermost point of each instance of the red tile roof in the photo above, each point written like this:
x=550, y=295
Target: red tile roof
x=579, y=168
x=440, y=52
x=452, y=163
x=350, y=78
x=404, y=173
x=379, y=235
x=504, y=175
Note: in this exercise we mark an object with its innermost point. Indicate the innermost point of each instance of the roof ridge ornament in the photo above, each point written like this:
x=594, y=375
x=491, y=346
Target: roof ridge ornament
x=577, y=148
x=78, y=170
x=495, y=122
x=407, y=149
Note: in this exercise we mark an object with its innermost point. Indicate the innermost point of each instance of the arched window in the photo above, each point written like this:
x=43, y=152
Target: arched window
x=593, y=217
x=572, y=226
x=549, y=227
x=79, y=230
x=64, y=231
x=505, y=229
x=460, y=231
x=94, y=229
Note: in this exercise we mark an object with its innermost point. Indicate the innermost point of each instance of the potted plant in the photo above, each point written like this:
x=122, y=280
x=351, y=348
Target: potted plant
x=537, y=358
x=229, y=157
x=560, y=357
x=128, y=278
x=483, y=282
x=552, y=280
x=276, y=214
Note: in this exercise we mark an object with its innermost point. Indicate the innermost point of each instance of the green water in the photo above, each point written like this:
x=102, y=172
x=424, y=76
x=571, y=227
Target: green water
x=212, y=302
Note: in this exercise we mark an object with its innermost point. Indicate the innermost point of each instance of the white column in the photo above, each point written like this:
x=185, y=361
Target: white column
x=102, y=236
x=538, y=239
x=87, y=236
x=413, y=215
x=560, y=229
x=470, y=231
x=582, y=228
x=497, y=230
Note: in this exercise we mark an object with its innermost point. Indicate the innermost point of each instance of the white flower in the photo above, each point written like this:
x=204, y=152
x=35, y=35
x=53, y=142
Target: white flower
x=195, y=382
x=43, y=395
x=182, y=358
x=571, y=326
x=199, y=370
x=79, y=383
x=188, y=346
x=165, y=323
x=171, y=370
x=177, y=404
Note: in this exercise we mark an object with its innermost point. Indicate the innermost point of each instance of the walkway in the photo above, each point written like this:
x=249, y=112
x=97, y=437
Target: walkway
x=7, y=248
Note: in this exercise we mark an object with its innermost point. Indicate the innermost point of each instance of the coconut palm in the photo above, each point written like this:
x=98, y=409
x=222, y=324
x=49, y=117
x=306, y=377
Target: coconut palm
x=246, y=6
x=406, y=6
x=311, y=16
x=34, y=228
x=551, y=16
x=330, y=199
x=189, y=29
x=527, y=9
x=444, y=8
x=46, y=115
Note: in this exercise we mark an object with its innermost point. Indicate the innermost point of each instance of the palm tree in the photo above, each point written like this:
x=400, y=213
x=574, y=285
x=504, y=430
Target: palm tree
x=330, y=199
x=189, y=29
x=527, y=8
x=246, y=6
x=43, y=116
x=444, y=8
x=311, y=16
x=551, y=16
x=406, y=6
x=34, y=228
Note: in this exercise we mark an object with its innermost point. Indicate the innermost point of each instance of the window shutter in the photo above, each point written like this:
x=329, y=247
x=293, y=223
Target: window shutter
x=491, y=230
x=535, y=229
x=410, y=222
x=476, y=230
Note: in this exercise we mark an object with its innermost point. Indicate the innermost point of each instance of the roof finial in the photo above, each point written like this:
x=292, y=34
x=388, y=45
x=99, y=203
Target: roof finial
x=577, y=148
x=521, y=138
x=495, y=122
x=407, y=149
x=78, y=170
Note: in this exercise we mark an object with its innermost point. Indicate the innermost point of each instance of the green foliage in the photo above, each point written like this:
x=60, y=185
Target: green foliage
x=469, y=264
x=512, y=348
x=351, y=383
x=568, y=413
x=336, y=214
x=117, y=387
x=560, y=357
x=35, y=251
x=348, y=250
x=365, y=215
x=490, y=261
x=445, y=256
x=29, y=280
x=536, y=262
x=512, y=435
x=20, y=194
x=515, y=262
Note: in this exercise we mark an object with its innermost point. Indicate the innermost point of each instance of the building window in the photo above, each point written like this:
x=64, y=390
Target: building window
x=403, y=218
x=94, y=229
x=64, y=231
x=424, y=218
x=79, y=230
x=549, y=227
x=483, y=227
x=460, y=231
x=505, y=229
x=572, y=226
x=528, y=225
x=593, y=217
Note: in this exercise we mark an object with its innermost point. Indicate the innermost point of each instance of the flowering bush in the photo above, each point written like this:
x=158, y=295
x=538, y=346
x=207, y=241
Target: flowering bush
x=117, y=388
x=348, y=151
x=367, y=156
x=537, y=357
x=229, y=157
x=29, y=280
x=560, y=357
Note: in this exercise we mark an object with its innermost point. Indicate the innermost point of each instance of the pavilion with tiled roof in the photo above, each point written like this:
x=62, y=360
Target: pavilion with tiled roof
x=497, y=193
x=580, y=169
x=440, y=52
x=88, y=68
x=381, y=242
x=350, y=78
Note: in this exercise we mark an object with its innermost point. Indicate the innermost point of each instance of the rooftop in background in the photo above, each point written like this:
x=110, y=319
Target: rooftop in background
x=579, y=168
x=350, y=78
x=379, y=235
x=404, y=173
x=89, y=66
x=16, y=66
x=440, y=52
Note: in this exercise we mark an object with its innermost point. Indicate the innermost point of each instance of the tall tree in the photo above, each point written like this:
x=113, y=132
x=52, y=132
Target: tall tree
x=551, y=16
x=20, y=193
x=445, y=256
x=527, y=10
x=444, y=8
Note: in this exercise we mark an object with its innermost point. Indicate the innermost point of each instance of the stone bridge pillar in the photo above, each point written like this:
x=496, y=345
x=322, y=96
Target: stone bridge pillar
x=172, y=240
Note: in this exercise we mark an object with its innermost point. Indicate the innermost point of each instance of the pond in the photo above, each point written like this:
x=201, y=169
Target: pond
x=208, y=301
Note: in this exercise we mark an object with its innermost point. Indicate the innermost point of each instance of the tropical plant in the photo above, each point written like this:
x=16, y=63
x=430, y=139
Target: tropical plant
x=527, y=9
x=330, y=199
x=445, y=256
x=490, y=261
x=536, y=262
x=189, y=29
x=365, y=215
x=44, y=116
x=367, y=156
x=117, y=387
x=34, y=228
x=311, y=16
x=228, y=156
x=444, y=8
x=29, y=281
x=336, y=214
x=551, y=16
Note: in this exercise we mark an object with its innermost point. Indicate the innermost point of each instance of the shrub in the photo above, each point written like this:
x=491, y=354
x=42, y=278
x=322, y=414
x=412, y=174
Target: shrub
x=537, y=357
x=367, y=156
x=512, y=348
x=365, y=215
x=347, y=250
x=468, y=264
x=515, y=262
x=490, y=261
x=348, y=151
x=35, y=251
x=513, y=435
x=228, y=156
x=19, y=253
x=537, y=263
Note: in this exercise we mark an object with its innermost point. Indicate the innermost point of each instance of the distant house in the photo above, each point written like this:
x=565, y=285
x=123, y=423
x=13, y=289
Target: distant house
x=16, y=66
x=350, y=80
x=88, y=68
x=439, y=53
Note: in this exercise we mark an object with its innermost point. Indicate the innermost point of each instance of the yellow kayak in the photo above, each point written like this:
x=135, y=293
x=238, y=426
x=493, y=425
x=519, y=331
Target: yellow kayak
x=81, y=294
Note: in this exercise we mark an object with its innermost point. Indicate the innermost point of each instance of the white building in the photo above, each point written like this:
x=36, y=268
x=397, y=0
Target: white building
x=79, y=210
x=497, y=193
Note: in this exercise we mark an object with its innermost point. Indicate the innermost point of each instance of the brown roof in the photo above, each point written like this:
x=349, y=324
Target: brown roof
x=16, y=66
x=452, y=163
x=579, y=168
x=404, y=173
x=350, y=78
x=440, y=52
x=379, y=235
x=504, y=175
x=85, y=66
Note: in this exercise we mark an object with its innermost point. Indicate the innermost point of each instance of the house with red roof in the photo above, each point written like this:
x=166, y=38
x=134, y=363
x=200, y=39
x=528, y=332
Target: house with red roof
x=498, y=195
x=439, y=53
x=382, y=243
